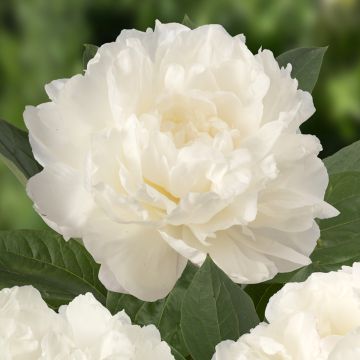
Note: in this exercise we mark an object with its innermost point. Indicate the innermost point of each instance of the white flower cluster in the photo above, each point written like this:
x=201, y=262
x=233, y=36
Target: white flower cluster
x=318, y=319
x=174, y=144
x=83, y=330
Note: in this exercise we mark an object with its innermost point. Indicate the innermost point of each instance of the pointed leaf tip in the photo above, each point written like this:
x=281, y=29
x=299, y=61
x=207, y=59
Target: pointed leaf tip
x=15, y=151
x=306, y=64
x=89, y=52
x=216, y=308
x=188, y=22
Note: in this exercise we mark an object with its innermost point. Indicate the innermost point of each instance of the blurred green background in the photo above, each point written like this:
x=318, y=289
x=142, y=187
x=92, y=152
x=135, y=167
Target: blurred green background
x=42, y=40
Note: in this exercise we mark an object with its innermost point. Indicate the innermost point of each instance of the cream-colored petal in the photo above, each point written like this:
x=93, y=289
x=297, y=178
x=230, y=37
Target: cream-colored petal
x=137, y=256
x=60, y=196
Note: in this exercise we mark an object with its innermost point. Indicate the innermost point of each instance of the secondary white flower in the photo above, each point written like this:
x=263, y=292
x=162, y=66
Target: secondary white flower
x=294, y=338
x=25, y=321
x=332, y=298
x=318, y=319
x=92, y=333
x=174, y=144
x=348, y=347
x=83, y=330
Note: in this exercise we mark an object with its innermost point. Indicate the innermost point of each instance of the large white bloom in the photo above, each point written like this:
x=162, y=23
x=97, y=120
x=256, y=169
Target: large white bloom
x=83, y=330
x=174, y=144
x=318, y=319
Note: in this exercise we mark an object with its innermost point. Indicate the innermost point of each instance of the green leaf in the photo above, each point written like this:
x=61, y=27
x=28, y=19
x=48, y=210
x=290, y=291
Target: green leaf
x=89, y=52
x=16, y=152
x=59, y=269
x=344, y=194
x=306, y=65
x=214, y=309
x=188, y=22
x=165, y=314
x=168, y=319
x=339, y=242
x=347, y=159
x=260, y=295
x=116, y=302
x=177, y=355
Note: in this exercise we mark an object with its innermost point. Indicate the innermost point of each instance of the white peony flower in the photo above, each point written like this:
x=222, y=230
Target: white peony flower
x=294, y=338
x=92, y=333
x=333, y=298
x=318, y=319
x=174, y=144
x=25, y=321
x=83, y=330
x=348, y=348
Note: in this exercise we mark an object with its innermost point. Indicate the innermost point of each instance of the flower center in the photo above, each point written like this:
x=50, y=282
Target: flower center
x=190, y=118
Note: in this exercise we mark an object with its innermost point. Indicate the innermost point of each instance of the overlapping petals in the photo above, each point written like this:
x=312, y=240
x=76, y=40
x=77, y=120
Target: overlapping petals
x=83, y=330
x=318, y=319
x=174, y=144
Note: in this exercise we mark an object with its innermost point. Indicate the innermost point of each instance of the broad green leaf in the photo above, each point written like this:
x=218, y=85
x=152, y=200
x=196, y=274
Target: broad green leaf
x=59, y=269
x=339, y=242
x=260, y=295
x=89, y=53
x=214, y=309
x=167, y=318
x=306, y=65
x=16, y=152
x=165, y=314
x=177, y=355
x=344, y=194
x=347, y=159
x=116, y=302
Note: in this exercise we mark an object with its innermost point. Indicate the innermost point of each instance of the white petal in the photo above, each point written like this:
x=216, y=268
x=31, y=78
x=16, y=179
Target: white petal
x=240, y=262
x=87, y=318
x=54, y=87
x=183, y=241
x=60, y=197
x=136, y=256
